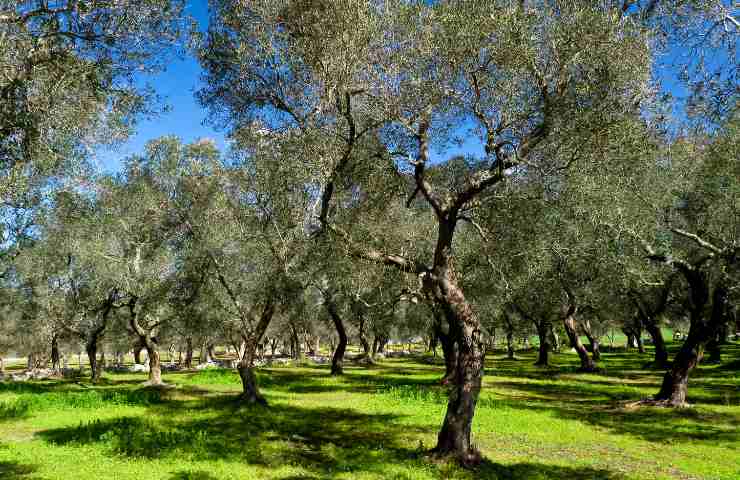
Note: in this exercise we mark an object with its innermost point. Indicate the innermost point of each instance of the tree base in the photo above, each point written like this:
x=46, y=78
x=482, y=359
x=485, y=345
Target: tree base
x=589, y=369
x=470, y=459
x=656, y=365
x=652, y=402
x=158, y=385
x=245, y=399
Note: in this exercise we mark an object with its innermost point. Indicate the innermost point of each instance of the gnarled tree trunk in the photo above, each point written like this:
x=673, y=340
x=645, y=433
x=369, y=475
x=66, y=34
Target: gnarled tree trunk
x=544, y=328
x=366, y=348
x=454, y=437
x=674, y=388
x=661, y=352
x=592, y=340
x=337, y=361
x=449, y=350
x=138, y=347
x=246, y=369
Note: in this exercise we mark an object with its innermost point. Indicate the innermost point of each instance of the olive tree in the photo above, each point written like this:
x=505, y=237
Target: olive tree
x=393, y=80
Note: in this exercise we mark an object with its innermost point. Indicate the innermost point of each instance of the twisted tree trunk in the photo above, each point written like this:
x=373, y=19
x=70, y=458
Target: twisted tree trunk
x=454, y=437
x=592, y=340
x=337, y=361
x=674, y=388
x=449, y=350
x=247, y=372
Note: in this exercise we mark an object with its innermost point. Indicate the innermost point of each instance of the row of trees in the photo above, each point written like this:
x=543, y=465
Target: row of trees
x=577, y=201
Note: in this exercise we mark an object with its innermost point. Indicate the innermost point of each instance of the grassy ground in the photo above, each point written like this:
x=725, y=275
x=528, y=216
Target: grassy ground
x=375, y=422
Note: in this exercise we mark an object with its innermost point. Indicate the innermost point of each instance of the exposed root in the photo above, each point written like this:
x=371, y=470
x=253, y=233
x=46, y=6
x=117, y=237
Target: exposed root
x=245, y=399
x=592, y=369
x=160, y=386
x=651, y=402
x=470, y=459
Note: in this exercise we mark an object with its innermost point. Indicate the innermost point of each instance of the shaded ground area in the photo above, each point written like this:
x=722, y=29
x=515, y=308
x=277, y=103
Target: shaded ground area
x=376, y=422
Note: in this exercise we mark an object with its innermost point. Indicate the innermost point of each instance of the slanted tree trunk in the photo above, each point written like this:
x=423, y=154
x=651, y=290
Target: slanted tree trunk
x=714, y=347
x=661, y=353
x=569, y=323
x=366, y=348
x=2, y=367
x=147, y=336
x=592, y=340
x=449, y=349
x=454, y=437
x=555, y=339
x=674, y=388
x=247, y=372
x=640, y=343
x=337, y=361
x=138, y=347
x=648, y=316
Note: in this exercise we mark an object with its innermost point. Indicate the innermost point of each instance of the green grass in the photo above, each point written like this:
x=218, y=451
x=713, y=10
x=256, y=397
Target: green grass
x=376, y=422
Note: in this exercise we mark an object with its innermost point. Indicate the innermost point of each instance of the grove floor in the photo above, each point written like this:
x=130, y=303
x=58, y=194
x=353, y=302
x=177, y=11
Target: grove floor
x=375, y=423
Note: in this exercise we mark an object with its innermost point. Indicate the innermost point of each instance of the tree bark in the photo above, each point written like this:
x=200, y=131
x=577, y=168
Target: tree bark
x=250, y=390
x=204, y=353
x=674, y=388
x=155, y=365
x=337, y=361
x=147, y=338
x=587, y=364
x=661, y=353
x=92, y=355
x=189, y=352
x=295, y=343
x=555, y=339
x=366, y=347
x=137, y=353
x=454, y=437
x=449, y=351
x=544, y=328
x=592, y=340
x=55, y=357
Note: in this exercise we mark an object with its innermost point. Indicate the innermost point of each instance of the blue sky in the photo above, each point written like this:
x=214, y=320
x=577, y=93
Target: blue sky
x=185, y=118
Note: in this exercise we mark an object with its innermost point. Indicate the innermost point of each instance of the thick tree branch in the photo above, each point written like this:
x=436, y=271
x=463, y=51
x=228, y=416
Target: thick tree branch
x=698, y=240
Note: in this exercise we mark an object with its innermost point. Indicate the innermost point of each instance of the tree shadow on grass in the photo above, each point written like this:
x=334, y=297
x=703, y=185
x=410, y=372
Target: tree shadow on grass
x=16, y=471
x=536, y=471
x=193, y=475
x=654, y=424
x=321, y=440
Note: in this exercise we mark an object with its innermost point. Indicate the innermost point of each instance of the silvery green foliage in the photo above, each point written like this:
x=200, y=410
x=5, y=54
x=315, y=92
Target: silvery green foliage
x=67, y=84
